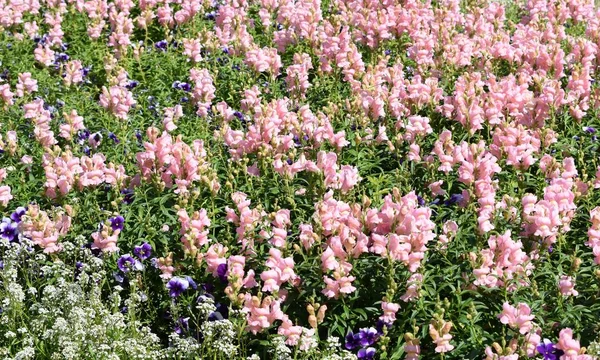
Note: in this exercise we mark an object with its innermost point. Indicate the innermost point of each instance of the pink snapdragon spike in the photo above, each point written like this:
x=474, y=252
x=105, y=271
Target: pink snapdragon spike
x=567, y=286
x=118, y=100
x=261, y=314
x=74, y=123
x=439, y=330
x=194, y=229
x=26, y=84
x=5, y=195
x=594, y=234
x=504, y=261
x=569, y=346
x=204, y=91
x=45, y=230
x=389, y=312
x=518, y=318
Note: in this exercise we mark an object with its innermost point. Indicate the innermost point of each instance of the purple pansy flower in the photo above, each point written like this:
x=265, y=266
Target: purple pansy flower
x=143, y=251
x=127, y=263
x=366, y=354
x=161, y=45
x=352, y=341
x=182, y=325
x=18, y=214
x=222, y=272
x=549, y=351
x=9, y=229
x=177, y=286
x=191, y=282
x=367, y=337
x=117, y=222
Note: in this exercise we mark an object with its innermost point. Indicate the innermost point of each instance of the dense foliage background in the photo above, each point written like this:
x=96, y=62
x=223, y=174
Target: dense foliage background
x=254, y=179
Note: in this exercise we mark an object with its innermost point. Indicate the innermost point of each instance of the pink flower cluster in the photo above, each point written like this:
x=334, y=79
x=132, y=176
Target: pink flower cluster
x=118, y=100
x=194, y=230
x=503, y=264
x=175, y=163
x=65, y=171
x=45, y=230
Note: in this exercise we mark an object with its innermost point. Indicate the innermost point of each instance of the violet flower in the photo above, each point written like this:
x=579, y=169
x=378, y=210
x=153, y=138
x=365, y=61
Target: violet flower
x=352, y=341
x=161, y=45
x=366, y=354
x=127, y=263
x=18, y=214
x=143, y=251
x=221, y=272
x=549, y=351
x=367, y=337
x=117, y=223
x=177, y=286
x=9, y=229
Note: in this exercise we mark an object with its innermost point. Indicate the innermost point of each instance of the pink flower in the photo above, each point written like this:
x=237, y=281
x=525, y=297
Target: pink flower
x=567, y=286
x=26, y=84
x=569, y=345
x=5, y=195
x=439, y=330
x=389, y=312
x=517, y=318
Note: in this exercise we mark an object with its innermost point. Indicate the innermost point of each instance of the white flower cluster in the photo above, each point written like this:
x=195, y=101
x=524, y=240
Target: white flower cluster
x=219, y=337
x=64, y=312
x=280, y=350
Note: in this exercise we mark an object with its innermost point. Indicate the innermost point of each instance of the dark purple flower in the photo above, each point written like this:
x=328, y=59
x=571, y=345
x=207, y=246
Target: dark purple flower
x=205, y=297
x=127, y=196
x=222, y=272
x=9, y=229
x=191, y=282
x=185, y=87
x=127, y=263
x=223, y=310
x=549, y=351
x=87, y=150
x=138, y=135
x=18, y=214
x=182, y=325
x=215, y=316
x=589, y=129
x=62, y=57
x=143, y=251
x=387, y=52
x=208, y=287
x=211, y=15
x=1, y=268
x=367, y=337
x=161, y=45
x=177, y=286
x=420, y=200
x=352, y=341
x=60, y=103
x=83, y=135
x=454, y=198
x=113, y=137
x=118, y=277
x=380, y=324
x=117, y=222
x=132, y=84
x=366, y=354
x=226, y=50
x=184, y=99
x=86, y=70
